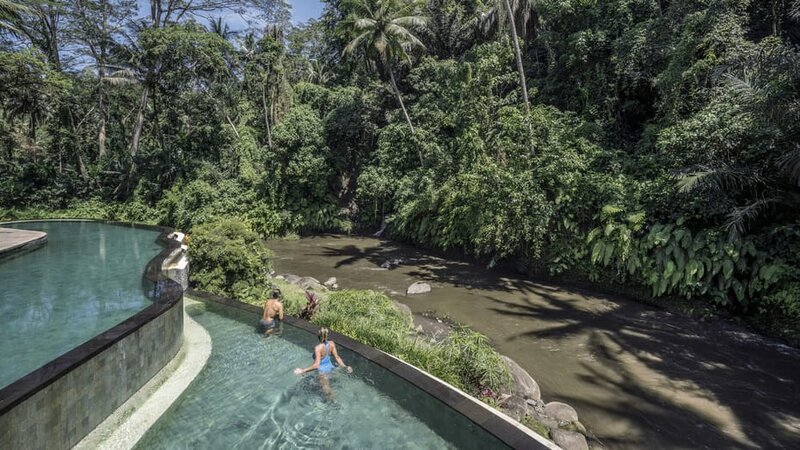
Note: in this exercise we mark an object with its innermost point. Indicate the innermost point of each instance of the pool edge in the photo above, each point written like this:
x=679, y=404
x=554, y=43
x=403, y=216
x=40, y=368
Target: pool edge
x=167, y=295
x=494, y=422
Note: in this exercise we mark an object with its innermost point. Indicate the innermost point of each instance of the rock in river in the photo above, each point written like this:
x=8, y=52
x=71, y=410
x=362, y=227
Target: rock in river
x=561, y=412
x=418, y=288
x=331, y=283
x=392, y=263
x=569, y=440
x=523, y=384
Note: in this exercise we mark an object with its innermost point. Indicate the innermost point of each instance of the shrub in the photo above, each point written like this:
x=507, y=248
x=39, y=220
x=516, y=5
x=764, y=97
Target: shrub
x=228, y=258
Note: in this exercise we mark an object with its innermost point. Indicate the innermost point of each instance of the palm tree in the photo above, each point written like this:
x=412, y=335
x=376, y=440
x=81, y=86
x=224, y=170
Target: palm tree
x=220, y=28
x=516, y=16
x=766, y=188
x=384, y=30
x=452, y=27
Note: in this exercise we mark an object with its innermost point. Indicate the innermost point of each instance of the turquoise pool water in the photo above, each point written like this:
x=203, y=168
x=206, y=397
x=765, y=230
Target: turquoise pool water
x=248, y=398
x=87, y=279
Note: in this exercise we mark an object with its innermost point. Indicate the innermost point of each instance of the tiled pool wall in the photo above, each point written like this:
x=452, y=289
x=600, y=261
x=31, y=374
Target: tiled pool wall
x=57, y=405
x=504, y=429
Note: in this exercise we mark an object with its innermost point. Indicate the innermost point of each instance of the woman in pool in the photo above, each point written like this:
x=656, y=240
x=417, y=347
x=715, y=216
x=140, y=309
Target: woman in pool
x=322, y=360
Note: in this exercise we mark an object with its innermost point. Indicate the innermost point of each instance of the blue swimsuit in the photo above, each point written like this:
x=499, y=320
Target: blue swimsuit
x=325, y=364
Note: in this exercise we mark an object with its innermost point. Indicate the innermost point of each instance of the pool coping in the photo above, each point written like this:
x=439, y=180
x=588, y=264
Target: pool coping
x=23, y=247
x=169, y=294
x=508, y=431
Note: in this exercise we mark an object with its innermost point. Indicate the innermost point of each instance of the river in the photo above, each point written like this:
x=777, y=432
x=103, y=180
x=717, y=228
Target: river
x=639, y=377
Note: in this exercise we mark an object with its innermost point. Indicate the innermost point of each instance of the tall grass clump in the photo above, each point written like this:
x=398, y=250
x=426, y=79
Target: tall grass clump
x=367, y=316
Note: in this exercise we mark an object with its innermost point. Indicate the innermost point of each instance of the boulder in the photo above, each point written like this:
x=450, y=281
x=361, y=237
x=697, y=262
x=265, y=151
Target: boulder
x=291, y=278
x=561, y=412
x=522, y=384
x=331, y=283
x=569, y=440
x=418, y=288
x=540, y=417
x=431, y=328
x=392, y=263
x=403, y=308
x=310, y=284
x=515, y=407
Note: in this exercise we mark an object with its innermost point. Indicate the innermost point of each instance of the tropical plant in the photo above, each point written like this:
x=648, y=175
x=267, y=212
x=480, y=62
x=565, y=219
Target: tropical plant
x=229, y=259
x=384, y=30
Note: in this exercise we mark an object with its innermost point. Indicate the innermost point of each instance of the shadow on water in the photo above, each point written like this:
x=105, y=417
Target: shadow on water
x=638, y=377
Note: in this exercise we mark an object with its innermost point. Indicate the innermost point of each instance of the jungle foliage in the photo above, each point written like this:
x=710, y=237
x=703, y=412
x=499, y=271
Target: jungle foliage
x=656, y=145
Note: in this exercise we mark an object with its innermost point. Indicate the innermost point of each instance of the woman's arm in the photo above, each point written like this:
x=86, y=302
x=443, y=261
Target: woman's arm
x=338, y=359
x=314, y=366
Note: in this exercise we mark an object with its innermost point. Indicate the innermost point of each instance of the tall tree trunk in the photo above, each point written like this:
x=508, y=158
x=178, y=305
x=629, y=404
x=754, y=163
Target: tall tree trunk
x=266, y=115
x=101, y=134
x=137, y=126
x=405, y=113
x=518, y=53
x=400, y=99
x=521, y=69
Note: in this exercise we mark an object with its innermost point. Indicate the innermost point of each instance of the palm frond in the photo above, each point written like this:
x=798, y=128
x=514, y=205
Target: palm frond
x=719, y=179
x=411, y=21
x=742, y=217
x=789, y=164
x=794, y=10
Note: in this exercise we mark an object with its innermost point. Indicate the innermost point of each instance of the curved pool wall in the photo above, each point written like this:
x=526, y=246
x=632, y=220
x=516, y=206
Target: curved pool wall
x=59, y=403
x=506, y=431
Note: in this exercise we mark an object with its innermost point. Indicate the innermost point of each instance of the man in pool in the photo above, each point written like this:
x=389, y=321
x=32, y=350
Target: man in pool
x=273, y=311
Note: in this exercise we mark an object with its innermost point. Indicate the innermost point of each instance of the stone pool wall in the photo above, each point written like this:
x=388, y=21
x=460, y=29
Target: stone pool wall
x=60, y=403
x=62, y=413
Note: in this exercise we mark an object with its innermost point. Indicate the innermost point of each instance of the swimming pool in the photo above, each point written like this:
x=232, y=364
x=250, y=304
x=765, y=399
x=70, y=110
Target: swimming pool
x=87, y=279
x=248, y=397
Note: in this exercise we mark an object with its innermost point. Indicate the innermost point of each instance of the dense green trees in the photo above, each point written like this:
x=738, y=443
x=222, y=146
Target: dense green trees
x=666, y=133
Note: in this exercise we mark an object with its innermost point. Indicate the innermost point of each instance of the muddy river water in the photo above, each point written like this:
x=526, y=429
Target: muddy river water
x=638, y=377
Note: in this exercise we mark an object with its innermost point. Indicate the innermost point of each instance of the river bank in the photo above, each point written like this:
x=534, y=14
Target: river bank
x=637, y=376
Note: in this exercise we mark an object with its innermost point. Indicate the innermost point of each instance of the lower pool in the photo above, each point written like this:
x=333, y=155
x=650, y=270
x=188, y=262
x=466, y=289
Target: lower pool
x=84, y=281
x=247, y=397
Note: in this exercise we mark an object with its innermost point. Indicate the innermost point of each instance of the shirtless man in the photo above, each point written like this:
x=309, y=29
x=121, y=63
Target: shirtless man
x=272, y=308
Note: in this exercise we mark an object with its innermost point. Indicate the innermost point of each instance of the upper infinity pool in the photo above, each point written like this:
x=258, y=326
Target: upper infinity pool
x=248, y=398
x=87, y=279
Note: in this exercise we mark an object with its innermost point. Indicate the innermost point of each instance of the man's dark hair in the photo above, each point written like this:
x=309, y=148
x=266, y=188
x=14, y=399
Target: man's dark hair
x=276, y=293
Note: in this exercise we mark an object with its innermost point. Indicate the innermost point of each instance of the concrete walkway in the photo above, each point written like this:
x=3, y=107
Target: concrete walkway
x=13, y=240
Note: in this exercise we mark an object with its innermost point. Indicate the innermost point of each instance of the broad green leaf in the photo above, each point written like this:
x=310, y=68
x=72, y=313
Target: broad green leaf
x=727, y=268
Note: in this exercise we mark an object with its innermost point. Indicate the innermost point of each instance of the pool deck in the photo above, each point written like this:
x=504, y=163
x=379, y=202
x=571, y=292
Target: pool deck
x=13, y=241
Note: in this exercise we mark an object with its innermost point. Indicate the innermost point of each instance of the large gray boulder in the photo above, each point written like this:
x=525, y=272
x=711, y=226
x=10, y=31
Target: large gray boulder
x=418, y=288
x=561, y=412
x=522, y=384
x=292, y=278
x=515, y=407
x=311, y=284
x=569, y=440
